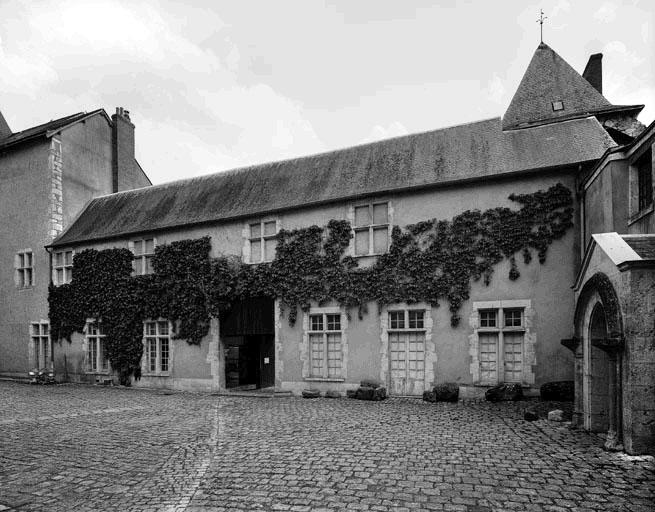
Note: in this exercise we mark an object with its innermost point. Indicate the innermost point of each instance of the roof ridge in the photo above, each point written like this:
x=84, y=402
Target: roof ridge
x=78, y=114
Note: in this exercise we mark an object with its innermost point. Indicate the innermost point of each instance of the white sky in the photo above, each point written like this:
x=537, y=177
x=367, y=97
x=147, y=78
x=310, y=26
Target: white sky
x=226, y=84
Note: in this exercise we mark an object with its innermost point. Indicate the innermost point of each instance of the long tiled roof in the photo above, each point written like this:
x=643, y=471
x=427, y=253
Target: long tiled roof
x=43, y=129
x=550, y=78
x=449, y=155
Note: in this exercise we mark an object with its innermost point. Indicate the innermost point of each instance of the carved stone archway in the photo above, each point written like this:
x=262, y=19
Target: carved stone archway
x=598, y=325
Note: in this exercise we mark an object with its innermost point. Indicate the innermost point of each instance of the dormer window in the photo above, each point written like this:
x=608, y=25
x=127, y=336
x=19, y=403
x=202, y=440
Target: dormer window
x=557, y=105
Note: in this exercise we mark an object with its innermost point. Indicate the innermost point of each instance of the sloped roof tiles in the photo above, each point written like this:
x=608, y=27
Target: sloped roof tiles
x=550, y=78
x=471, y=151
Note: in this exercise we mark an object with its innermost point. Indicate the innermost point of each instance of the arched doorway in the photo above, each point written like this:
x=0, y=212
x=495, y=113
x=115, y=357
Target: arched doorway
x=596, y=400
x=598, y=379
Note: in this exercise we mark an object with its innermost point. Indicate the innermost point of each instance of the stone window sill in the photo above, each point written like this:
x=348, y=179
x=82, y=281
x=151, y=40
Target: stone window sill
x=163, y=374
x=634, y=218
x=321, y=379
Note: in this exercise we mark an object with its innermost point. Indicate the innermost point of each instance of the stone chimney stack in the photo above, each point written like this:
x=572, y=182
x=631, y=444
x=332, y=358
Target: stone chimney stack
x=122, y=147
x=5, y=131
x=593, y=71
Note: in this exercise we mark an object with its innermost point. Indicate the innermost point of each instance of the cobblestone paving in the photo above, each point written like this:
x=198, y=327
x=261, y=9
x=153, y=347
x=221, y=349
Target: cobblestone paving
x=87, y=448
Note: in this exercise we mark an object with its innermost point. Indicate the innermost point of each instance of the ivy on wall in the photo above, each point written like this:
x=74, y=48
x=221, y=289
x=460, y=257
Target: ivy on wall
x=431, y=261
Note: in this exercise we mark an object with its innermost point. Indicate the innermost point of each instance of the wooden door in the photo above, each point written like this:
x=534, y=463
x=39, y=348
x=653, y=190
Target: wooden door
x=407, y=363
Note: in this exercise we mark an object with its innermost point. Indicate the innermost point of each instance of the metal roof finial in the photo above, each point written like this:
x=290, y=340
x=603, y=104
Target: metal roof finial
x=541, y=20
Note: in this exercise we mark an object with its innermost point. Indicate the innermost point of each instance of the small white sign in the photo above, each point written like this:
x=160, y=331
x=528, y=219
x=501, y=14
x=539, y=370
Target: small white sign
x=266, y=360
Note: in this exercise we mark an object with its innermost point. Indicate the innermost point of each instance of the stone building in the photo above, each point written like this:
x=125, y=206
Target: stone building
x=48, y=173
x=614, y=324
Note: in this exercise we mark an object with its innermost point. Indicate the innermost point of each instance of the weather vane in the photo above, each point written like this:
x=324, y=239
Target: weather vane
x=541, y=20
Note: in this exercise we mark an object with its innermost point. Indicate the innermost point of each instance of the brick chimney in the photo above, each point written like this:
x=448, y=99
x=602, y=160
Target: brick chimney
x=5, y=131
x=122, y=160
x=593, y=71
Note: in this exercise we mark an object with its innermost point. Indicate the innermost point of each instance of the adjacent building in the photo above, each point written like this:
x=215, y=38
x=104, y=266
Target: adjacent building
x=48, y=173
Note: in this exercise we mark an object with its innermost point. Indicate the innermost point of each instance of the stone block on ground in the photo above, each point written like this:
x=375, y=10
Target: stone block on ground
x=504, y=393
x=447, y=392
x=311, y=393
x=562, y=391
x=556, y=415
x=428, y=396
x=332, y=394
x=370, y=384
x=351, y=393
x=369, y=393
x=530, y=415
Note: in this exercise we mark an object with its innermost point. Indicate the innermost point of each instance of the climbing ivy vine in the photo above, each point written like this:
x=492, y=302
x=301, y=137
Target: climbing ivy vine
x=431, y=261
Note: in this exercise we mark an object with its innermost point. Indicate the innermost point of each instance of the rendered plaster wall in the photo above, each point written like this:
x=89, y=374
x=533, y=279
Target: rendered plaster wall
x=25, y=221
x=547, y=286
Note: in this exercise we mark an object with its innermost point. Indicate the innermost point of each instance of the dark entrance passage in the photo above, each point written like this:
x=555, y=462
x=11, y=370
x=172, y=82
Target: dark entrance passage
x=248, y=336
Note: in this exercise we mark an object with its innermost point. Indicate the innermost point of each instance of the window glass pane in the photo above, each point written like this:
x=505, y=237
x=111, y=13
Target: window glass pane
x=45, y=329
x=59, y=276
x=255, y=251
x=152, y=353
x=137, y=247
x=269, y=228
x=333, y=322
x=163, y=328
x=150, y=246
x=68, y=259
x=151, y=328
x=488, y=318
x=512, y=317
x=380, y=213
x=21, y=260
x=416, y=319
x=35, y=329
x=362, y=216
x=380, y=237
x=28, y=258
x=148, y=269
x=59, y=258
x=28, y=277
x=255, y=230
x=317, y=355
x=361, y=242
x=68, y=275
x=164, y=354
x=103, y=355
x=316, y=322
x=269, y=248
x=396, y=319
x=334, y=355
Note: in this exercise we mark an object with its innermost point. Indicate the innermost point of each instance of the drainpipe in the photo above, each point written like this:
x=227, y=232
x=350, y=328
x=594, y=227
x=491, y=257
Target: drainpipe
x=52, y=345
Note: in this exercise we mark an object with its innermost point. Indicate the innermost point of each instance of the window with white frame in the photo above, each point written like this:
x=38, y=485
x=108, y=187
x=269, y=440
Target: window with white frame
x=406, y=332
x=371, y=229
x=325, y=335
x=24, y=263
x=96, y=355
x=62, y=267
x=501, y=334
x=263, y=241
x=144, y=251
x=41, y=345
x=156, y=339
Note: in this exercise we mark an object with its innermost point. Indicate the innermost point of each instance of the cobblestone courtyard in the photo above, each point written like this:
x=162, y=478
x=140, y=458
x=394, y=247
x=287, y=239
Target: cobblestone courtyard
x=86, y=448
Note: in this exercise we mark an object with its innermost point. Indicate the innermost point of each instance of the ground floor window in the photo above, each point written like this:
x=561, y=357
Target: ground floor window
x=501, y=336
x=156, y=337
x=325, y=345
x=41, y=345
x=406, y=332
x=96, y=355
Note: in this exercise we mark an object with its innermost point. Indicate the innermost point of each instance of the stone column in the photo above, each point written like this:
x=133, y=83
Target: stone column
x=573, y=344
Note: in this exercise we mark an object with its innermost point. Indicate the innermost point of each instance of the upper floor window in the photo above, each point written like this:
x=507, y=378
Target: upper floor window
x=62, y=268
x=371, y=229
x=144, y=251
x=41, y=345
x=96, y=354
x=156, y=337
x=24, y=263
x=645, y=180
x=263, y=241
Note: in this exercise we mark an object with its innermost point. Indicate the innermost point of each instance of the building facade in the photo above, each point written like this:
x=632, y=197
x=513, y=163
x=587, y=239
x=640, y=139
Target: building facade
x=48, y=174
